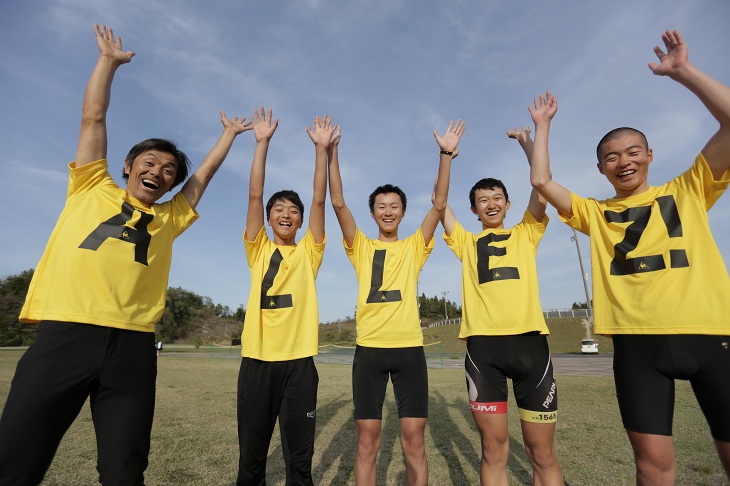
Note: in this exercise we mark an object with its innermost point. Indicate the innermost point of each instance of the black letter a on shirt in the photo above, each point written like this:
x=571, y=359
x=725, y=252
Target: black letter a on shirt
x=114, y=228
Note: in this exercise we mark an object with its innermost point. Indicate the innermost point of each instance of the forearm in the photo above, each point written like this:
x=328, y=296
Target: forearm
x=215, y=157
x=713, y=94
x=319, y=194
x=540, y=173
x=92, y=135
x=528, y=146
x=258, y=171
x=441, y=190
x=335, y=179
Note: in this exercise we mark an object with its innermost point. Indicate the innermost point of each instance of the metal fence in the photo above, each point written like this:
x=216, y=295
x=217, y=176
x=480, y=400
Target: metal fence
x=546, y=313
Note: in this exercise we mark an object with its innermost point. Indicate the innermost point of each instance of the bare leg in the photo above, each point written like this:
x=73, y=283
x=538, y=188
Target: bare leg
x=412, y=432
x=495, y=448
x=654, y=457
x=540, y=444
x=368, y=443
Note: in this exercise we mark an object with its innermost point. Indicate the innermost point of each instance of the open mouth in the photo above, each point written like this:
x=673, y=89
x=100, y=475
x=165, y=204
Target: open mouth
x=150, y=184
x=626, y=173
x=286, y=224
x=491, y=214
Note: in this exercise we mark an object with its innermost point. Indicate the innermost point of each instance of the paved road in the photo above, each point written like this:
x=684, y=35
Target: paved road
x=567, y=364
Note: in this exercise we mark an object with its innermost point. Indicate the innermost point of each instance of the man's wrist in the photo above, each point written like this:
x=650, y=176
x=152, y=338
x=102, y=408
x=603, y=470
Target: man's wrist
x=446, y=152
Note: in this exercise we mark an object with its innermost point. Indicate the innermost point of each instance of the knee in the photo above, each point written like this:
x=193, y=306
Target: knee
x=368, y=444
x=413, y=443
x=655, y=471
x=543, y=457
x=495, y=450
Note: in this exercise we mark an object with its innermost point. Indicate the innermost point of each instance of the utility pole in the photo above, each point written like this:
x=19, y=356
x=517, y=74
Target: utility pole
x=589, y=331
x=446, y=313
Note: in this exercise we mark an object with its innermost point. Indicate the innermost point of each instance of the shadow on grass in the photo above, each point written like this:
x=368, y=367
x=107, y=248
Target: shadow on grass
x=450, y=441
x=342, y=446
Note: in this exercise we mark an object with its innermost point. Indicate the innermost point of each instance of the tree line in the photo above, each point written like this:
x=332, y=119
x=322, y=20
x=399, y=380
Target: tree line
x=184, y=310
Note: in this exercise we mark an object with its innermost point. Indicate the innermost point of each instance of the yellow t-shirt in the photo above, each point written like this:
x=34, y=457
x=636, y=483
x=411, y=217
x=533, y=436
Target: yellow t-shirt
x=282, y=318
x=499, y=288
x=107, y=261
x=387, y=275
x=656, y=268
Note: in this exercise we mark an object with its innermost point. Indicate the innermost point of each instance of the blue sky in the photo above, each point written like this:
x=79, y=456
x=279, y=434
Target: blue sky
x=389, y=72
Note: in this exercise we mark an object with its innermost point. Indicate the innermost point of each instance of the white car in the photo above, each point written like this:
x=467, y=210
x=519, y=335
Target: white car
x=589, y=346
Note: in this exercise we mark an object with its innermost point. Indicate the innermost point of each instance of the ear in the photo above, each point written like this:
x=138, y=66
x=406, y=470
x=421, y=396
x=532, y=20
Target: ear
x=127, y=167
x=372, y=215
x=506, y=206
x=474, y=210
x=650, y=153
x=600, y=168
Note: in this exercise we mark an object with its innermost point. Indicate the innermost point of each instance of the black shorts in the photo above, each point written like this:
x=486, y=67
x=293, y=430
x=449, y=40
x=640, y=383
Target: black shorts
x=524, y=358
x=406, y=368
x=645, y=367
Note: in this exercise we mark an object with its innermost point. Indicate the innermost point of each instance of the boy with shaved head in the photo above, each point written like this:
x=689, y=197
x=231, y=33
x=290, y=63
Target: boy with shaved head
x=660, y=286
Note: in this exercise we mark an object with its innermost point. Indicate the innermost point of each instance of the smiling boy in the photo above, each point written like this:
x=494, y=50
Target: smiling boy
x=389, y=337
x=504, y=327
x=97, y=293
x=660, y=285
x=277, y=378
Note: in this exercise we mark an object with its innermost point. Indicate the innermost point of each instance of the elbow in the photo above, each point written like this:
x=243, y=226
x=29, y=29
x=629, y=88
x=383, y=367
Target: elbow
x=539, y=182
x=439, y=204
x=338, y=202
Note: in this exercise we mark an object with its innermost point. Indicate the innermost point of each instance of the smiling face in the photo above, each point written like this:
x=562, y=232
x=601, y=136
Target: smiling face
x=388, y=212
x=285, y=218
x=151, y=175
x=491, y=206
x=624, y=161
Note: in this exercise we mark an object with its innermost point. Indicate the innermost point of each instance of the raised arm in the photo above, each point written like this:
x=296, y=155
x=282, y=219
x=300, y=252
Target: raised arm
x=448, y=144
x=536, y=205
x=541, y=177
x=263, y=130
x=92, y=136
x=322, y=135
x=713, y=94
x=197, y=183
x=448, y=218
x=344, y=216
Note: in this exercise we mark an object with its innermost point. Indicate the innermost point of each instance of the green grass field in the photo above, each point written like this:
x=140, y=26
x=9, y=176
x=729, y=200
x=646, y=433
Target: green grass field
x=194, y=437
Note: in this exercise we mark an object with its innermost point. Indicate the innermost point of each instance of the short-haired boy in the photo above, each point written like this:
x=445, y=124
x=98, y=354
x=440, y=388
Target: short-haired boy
x=503, y=325
x=389, y=337
x=280, y=333
x=660, y=286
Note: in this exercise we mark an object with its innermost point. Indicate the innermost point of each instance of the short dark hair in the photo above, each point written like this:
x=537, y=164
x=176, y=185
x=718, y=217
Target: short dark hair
x=620, y=132
x=285, y=195
x=387, y=189
x=487, y=183
x=160, y=145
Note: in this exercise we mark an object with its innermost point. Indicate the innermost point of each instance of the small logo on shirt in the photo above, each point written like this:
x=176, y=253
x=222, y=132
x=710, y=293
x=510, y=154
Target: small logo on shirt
x=643, y=266
x=272, y=303
x=311, y=414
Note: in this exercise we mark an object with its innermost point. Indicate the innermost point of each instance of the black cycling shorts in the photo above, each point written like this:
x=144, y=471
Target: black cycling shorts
x=406, y=368
x=525, y=359
x=645, y=367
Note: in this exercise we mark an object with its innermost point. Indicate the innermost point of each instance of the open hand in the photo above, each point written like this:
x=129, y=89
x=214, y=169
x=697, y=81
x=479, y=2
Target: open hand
x=263, y=128
x=545, y=108
x=110, y=46
x=675, y=58
x=236, y=124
